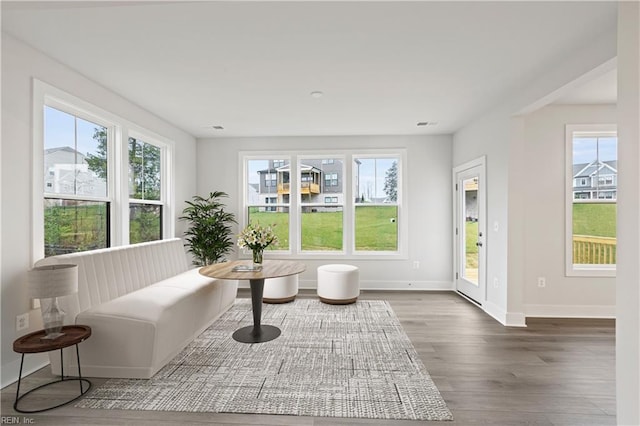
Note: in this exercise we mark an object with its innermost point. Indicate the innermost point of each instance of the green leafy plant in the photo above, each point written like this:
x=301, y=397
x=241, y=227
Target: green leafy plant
x=209, y=233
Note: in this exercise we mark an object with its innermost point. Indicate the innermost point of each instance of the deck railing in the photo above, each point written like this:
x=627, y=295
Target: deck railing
x=590, y=250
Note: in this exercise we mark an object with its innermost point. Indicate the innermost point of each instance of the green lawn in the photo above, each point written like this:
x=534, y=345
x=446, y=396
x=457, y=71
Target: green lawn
x=471, y=234
x=594, y=219
x=376, y=228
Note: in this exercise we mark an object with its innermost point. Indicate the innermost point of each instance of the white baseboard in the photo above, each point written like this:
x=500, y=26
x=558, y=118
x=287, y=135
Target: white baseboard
x=570, y=311
x=32, y=363
x=381, y=285
x=510, y=319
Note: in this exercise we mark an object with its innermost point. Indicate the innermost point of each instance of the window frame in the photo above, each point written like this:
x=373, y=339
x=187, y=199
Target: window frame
x=571, y=269
x=295, y=251
x=400, y=176
x=324, y=160
x=164, y=181
x=45, y=94
x=267, y=205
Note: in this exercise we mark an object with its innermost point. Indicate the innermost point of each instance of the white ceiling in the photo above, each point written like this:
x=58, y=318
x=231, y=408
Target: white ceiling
x=251, y=66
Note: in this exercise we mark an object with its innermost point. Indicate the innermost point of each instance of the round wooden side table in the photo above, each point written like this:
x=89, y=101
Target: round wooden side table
x=34, y=343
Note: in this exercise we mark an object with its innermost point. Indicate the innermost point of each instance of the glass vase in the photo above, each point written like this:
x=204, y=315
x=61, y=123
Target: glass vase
x=257, y=256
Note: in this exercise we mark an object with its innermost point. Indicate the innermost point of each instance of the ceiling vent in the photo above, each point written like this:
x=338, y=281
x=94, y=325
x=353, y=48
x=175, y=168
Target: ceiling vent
x=426, y=123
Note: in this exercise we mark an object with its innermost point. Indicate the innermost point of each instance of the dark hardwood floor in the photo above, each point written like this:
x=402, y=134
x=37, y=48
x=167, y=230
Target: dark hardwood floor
x=553, y=372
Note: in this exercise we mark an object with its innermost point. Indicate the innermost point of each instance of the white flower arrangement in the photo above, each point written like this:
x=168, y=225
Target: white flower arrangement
x=256, y=237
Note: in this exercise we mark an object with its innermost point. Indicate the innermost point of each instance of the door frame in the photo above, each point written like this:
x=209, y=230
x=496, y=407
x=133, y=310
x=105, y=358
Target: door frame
x=482, y=212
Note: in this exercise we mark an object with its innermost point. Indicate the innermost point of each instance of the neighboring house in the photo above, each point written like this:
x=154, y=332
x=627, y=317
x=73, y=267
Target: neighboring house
x=471, y=200
x=597, y=180
x=66, y=172
x=321, y=183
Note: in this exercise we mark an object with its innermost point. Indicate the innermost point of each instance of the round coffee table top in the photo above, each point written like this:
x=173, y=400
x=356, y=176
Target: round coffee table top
x=270, y=269
x=34, y=342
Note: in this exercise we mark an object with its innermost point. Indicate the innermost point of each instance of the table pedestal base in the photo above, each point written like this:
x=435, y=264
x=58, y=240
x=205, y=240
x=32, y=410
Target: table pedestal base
x=249, y=334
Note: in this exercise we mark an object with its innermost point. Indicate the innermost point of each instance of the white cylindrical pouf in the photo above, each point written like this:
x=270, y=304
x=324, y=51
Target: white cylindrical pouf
x=338, y=284
x=280, y=290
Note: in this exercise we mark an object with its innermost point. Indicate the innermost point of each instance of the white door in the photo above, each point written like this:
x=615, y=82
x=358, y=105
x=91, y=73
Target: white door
x=470, y=230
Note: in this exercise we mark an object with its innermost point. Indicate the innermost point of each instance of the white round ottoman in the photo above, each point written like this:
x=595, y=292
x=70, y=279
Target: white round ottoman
x=280, y=290
x=338, y=284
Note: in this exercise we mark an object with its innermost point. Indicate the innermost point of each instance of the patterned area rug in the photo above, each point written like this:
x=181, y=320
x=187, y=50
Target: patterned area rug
x=330, y=361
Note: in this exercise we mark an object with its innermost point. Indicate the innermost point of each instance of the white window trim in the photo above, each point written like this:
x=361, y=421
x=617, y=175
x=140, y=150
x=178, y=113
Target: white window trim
x=166, y=178
x=47, y=95
x=348, y=206
x=571, y=269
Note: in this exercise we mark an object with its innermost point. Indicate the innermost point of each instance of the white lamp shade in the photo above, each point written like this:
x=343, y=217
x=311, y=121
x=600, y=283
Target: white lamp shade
x=52, y=281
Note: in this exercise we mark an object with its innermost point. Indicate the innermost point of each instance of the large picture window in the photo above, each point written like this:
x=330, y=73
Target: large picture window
x=592, y=169
x=328, y=204
x=102, y=180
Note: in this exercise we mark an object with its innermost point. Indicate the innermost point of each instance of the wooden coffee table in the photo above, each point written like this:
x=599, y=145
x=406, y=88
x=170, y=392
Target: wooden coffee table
x=34, y=343
x=257, y=333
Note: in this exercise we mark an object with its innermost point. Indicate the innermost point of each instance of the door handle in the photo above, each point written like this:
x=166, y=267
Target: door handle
x=479, y=244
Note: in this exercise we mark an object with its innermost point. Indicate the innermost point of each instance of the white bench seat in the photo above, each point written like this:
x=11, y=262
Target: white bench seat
x=140, y=319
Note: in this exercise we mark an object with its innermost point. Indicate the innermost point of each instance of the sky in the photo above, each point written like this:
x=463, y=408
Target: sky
x=59, y=128
x=586, y=150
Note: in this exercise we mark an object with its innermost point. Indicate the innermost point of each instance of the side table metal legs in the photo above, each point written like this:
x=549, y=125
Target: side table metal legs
x=62, y=379
x=256, y=333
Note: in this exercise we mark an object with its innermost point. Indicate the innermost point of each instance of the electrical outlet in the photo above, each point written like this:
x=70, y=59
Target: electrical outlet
x=542, y=282
x=22, y=322
x=496, y=283
x=416, y=264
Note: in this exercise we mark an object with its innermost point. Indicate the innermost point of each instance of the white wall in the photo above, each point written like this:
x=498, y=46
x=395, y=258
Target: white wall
x=500, y=135
x=20, y=64
x=628, y=274
x=486, y=136
x=544, y=215
x=429, y=200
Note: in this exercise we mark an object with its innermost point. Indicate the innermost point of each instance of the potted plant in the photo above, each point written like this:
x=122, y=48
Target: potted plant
x=209, y=234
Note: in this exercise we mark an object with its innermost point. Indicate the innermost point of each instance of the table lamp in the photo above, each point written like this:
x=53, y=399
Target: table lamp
x=51, y=282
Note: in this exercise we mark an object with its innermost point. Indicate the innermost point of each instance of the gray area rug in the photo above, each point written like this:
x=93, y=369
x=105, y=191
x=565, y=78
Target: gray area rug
x=330, y=361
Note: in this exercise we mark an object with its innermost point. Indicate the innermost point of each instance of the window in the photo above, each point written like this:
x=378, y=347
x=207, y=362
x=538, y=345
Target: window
x=83, y=183
x=329, y=204
x=145, y=191
x=592, y=167
x=270, y=180
x=321, y=226
x=76, y=196
x=267, y=194
x=331, y=179
x=376, y=203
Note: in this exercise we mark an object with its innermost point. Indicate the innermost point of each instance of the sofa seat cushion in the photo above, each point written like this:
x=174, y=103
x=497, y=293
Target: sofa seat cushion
x=190, y=280
x=154, y=322
x=148, y=304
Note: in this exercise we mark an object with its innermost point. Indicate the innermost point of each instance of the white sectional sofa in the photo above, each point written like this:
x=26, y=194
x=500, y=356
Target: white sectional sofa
x=144, y=304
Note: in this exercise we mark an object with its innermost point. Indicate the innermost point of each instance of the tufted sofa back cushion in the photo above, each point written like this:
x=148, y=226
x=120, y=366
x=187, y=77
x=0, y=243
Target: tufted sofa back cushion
x=106, y=274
